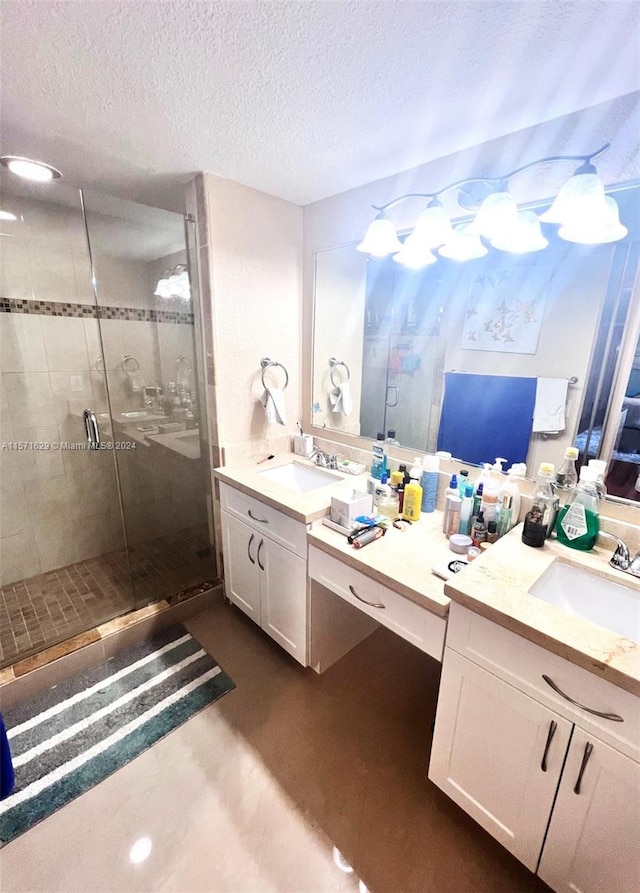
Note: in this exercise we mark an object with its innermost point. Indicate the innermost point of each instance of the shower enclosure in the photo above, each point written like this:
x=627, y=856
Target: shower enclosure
x=106, y=491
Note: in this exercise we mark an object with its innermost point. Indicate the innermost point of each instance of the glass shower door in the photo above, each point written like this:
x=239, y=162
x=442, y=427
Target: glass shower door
x=63, y=563
x=156, y=423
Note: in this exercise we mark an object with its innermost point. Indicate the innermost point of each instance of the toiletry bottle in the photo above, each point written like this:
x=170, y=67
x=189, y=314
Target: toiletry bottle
x=578, y=522
x=479, y=530
x=492, y=532
x=491, y=488
x=391, y=438
x=397, y=485
x=463, y=480
x=466, y=510
x=429, y=482
x=477, y=499
x=412, y=501
x=378, y=458
x=415, y=472
x=541, y=517
x=509, y=498
x=454, y=505
x=403, y=469
x=567, y=476
x=601, y=470
x=452, y=490
x=386, y=502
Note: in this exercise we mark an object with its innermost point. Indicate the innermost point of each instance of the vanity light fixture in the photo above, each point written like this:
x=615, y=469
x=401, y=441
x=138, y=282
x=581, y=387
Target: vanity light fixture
x=29, y=169
x=584, y=213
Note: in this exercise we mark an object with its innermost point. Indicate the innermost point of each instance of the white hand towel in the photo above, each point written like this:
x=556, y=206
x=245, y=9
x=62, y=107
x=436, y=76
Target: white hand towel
x=274, y=409
x=137, y=380
x=550, y=407
x=341, y=400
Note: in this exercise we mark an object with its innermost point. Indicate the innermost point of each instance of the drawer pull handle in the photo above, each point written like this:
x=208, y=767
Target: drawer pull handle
x=260, y=565
x=251, y=539
x=360, y=599
x=588, y=750
x=260, y=520
x=612, y=716
x=553, y=725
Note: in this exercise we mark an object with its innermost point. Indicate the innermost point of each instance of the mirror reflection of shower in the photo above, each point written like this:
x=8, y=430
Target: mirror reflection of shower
x=174, y=284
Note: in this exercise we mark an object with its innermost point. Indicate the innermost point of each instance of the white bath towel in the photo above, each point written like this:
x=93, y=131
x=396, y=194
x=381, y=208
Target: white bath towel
x=274, y=409
x=551, y=404
x=137, y=380
x=340, y=398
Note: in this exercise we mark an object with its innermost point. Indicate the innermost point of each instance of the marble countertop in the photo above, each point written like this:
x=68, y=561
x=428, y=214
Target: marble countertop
x=304, y=507
x=497, y=586
x=402, y=560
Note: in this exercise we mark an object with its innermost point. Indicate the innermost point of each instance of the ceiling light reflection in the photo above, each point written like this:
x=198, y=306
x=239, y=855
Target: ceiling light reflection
x=140, y=850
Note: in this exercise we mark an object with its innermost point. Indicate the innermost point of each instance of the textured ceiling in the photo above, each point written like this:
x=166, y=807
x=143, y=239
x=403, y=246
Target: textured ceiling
x=300, y=99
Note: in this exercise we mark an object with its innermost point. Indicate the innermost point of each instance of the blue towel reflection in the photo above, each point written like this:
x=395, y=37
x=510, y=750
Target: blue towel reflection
x=485, y=416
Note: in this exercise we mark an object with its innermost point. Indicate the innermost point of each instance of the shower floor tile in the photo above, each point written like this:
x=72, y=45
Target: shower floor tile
x=49, y=608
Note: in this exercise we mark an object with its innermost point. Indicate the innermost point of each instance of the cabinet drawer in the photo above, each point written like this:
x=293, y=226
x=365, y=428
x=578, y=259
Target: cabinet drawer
x=269, y=521
x=404, y=617
x=523, y=664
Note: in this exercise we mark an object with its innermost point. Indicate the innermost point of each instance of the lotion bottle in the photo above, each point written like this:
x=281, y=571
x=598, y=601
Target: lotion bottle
x=412, y=501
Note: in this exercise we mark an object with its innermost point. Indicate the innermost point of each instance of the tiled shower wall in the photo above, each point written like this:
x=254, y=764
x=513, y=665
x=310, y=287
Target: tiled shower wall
x=61, y=506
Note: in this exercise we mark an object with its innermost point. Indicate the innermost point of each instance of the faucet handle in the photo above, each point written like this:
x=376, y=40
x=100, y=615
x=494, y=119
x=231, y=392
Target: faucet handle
x=620, y=558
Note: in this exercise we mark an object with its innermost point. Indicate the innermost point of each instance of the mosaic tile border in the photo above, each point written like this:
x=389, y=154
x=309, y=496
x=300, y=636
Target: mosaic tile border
x=85, y=311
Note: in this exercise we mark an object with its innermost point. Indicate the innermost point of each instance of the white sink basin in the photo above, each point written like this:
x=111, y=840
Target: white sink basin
x=300, y=478
x=611, y=605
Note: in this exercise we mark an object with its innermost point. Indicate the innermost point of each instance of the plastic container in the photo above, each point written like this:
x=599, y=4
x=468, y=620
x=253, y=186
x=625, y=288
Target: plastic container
x=601, y=470
x=458, y=542
x=379, y=460
x=509, y=499
x=452, y=490
x=567, y=476
x=479, y=530
x=429, y=482
x=463, y=480
x=386, y=499
x=578, y=523
x=540, y=520
x=412, y=501
x=466, y=510
x=454, y=504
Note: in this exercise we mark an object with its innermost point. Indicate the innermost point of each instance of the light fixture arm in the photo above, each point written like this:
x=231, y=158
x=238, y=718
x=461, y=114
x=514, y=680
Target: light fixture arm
x=501, y=179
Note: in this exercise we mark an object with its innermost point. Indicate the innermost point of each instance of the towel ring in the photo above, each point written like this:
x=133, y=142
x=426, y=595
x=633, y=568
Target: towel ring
x=265, y=362
x=334, y=364
x=125, y=365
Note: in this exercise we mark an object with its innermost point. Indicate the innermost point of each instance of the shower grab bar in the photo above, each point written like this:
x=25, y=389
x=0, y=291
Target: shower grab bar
x=92, y=429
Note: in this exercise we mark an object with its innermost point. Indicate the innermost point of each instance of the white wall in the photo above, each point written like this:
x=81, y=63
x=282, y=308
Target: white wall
x=255, y=264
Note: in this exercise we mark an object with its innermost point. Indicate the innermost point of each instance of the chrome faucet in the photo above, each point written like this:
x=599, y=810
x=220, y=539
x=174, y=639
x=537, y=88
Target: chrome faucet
x=324, y=460
x=621, y=559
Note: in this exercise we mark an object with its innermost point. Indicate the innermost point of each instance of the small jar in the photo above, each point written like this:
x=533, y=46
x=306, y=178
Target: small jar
x=472, y=553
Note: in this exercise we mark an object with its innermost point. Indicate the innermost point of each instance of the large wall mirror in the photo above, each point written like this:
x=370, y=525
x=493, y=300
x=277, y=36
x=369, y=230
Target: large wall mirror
x=392, y=348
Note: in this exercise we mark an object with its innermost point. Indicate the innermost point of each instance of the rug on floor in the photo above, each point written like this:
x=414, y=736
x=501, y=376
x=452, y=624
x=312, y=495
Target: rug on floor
x=79, y=732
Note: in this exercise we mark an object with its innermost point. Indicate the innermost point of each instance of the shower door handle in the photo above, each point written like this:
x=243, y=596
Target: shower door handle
x=91, y=427
x=392, y=387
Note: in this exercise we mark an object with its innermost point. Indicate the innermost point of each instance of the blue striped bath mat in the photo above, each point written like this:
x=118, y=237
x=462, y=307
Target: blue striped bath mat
x=79, y=732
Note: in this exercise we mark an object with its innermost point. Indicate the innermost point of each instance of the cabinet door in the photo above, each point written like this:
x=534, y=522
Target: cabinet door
x=283, y=587
x=498, y=754
x=242, y=581
x=593, y=844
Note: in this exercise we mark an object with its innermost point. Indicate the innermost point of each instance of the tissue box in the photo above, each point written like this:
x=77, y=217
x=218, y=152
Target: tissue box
x=345, y=509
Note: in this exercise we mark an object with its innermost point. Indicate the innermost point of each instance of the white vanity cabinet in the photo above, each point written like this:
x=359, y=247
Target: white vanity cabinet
x=556, y=784
x=266, y=568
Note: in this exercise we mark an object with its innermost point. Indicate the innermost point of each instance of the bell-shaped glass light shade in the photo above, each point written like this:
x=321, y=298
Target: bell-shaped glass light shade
x=580, y=198
x=414, y=254
x=463, y=245
x=496, y=215
x=433, y=227
x=596, y=230
x=524, y=236
x=381, y=238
